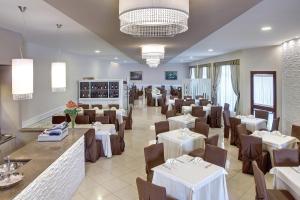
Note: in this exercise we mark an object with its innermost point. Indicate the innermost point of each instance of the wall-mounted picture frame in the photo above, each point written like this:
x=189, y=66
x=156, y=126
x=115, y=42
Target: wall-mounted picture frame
x=171, y=75
x=136, y=76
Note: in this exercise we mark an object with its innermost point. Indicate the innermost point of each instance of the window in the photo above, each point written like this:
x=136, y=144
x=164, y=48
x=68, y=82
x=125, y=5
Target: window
x=204, y=72
x=225, y=93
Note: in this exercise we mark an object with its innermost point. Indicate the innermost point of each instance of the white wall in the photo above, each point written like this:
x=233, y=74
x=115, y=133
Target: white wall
x=256, y=59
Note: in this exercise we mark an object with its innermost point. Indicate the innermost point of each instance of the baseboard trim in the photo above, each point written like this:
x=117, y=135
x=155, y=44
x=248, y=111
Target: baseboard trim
x=42, y=116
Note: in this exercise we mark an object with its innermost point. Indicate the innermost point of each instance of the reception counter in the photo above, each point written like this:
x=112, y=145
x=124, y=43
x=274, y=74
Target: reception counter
x=53, y=170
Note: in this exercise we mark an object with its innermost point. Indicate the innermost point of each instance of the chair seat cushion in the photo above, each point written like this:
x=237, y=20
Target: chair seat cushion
x=280, y=195
x=197, y=153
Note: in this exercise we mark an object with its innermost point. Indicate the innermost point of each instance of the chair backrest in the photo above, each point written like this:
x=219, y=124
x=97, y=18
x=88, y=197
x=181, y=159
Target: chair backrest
x=161, y=127
x=170, y=113
x=199, y=97
x=187, y=97
x=260, y=183
x=241, y=129
x=226, y=116
x=112, y=115
x=122, y=130
x=154, y=156
x=117, y=106
x=84, y=106
x=82, y=119
x=97, y=105
x=215, y=155
x=197, y=111
x=91, y=114
x=201, y=119
x=216, y=116
x=203, y=102
x=286, y=157
x=233, y=124
x=261, y=114
x=202, y=128
x=226, y=107
x=57, y=119
x=130, y=113
x=91, y=151
x=178, y=105
x=102, y=119
x=275, y=124
x=251, y=147
x=149, y=191
x=296, y=131
x=212, y=140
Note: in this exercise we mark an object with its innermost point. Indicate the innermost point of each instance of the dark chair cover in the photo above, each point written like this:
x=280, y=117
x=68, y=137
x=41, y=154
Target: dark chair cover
x=197, y=111
x=215, y=155
x=178, y=105
x=201, y=128
x=112, y=116
x=226, y=107
x=233, y=123
x=93, y=147
x=57, y=119
x=187, y=97
x=252, y=151
x=97, y=105
x=117, y=141
x=286, y=157
x=261, y=114
x=128, y=119
x=215, y=116
x=170, y=113
x=154, y=156
x=203, y=102
x=117, y=106
x=201, y=119
x=296, y=131
x=84, y=106
x=241, y=130
x=275, y=124
x=199, y=97
x=150, y=101
x=102, y=119
x=91, y=114
x=82, y=119
x=226, y=116
x=161, y=127
x=212, y=140
x=164, y=109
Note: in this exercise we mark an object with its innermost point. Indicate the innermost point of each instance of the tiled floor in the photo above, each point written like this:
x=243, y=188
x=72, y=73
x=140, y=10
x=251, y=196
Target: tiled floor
x=114, y=179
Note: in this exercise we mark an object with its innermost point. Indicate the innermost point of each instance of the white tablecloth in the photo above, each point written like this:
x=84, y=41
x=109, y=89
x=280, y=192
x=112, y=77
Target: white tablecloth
x=103, y=133
x=252, y=123
x=188, y=109
x=171, y=102
x=287, y=178
x=182, y=121
x=180, y=141
x=192, y=181
x=275, y=140
x=156, y=96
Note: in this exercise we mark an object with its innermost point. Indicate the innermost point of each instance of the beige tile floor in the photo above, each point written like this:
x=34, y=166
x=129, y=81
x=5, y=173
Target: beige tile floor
x=114, y=179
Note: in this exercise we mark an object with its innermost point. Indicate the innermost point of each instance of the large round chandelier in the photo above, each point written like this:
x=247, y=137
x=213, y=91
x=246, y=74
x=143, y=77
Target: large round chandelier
x=153, y=51
x=153, y=18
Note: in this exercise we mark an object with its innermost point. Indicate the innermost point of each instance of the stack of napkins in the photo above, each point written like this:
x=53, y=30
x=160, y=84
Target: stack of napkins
x=56, y=130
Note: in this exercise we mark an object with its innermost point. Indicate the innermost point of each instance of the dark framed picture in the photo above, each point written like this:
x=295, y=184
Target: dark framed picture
x=136, y=76
x=171, y=75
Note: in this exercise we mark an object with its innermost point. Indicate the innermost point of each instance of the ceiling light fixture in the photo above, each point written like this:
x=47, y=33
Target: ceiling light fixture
x=210, y=50
x=22, y=73
x=153, y=51
x=153, y=62
x=97, y=51
x=153, y=18
x=116, y=58
x=266, y=28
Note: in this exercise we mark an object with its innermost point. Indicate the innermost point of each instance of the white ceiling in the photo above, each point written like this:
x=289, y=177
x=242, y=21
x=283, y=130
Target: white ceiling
x=244, y=31
x=41, y=20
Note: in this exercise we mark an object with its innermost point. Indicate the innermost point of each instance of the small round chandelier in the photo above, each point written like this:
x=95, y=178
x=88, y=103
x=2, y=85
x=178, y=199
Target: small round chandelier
x=153, y=62
x=153, y=51
x=153, y=18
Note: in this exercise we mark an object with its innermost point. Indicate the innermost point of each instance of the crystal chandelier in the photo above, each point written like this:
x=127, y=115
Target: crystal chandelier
x=153, y=62
x=153, y=18
x=153, y=51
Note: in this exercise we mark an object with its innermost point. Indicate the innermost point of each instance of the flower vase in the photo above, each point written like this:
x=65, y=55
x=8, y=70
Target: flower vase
x=73, y=117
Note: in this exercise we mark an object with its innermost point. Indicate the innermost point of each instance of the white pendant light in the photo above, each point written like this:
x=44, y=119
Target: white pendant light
x=22, y=75
x=58, y=73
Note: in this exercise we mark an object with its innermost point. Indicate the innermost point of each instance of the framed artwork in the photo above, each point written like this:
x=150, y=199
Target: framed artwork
x=136, y=76
x=171, y=75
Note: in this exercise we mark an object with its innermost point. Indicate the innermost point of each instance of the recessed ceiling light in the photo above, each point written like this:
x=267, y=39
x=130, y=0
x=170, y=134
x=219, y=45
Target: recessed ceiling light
x=97, y=51
x=266, y=28
x=210, y=50
x=191, y=57
x=116, y=58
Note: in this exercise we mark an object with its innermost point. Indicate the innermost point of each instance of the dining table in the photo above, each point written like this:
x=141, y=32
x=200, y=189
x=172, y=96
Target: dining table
x=287, y=178
x=180, y=141
x=275, y=140
x=189, y=178
x=252, y=123
x=157, y=97
x=182, y=121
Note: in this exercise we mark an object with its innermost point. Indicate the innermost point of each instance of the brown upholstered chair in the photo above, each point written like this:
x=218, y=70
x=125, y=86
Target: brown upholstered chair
x=112, y=116
x=150, y=101
x=226, y=116
x=178, y=105
x=197, y=111
x=102, y=119
x=93, y=147
x=226, y=107
x=117, y=141
x=154, y=156
x=82, y=119
x=84, y=106
x=91, y=114
x=212, y=140
x=199, y=97
x=201, y=128
x=252, y=151
x=201, y=119
x=262, y=193
x=275, y=124
x=187, y=97
x=128, y=119
x=117, y=106
x=215, y=116
x=203, y=102
x=57, y=119
x=286, y=157
x=170, y=113
x=97, y=105
x=261, y=114
x=161, y=127
x=164, y=108
x=296, y=131
x=149, y=191
x=240, y=130
x=233, y=135
x=215, y=155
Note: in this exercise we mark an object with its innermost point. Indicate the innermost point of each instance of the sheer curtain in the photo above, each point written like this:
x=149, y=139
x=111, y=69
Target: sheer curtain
x=263, y=89
x=225, y=92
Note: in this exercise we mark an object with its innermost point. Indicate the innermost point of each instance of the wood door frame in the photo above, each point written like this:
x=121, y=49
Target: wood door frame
x=270, y=109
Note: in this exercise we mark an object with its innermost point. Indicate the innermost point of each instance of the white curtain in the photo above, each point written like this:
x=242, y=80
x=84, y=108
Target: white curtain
x=225, y=92
x=263, y=89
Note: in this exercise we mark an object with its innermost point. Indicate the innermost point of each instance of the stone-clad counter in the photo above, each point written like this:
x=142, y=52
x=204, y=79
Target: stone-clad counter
x=54, y=170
